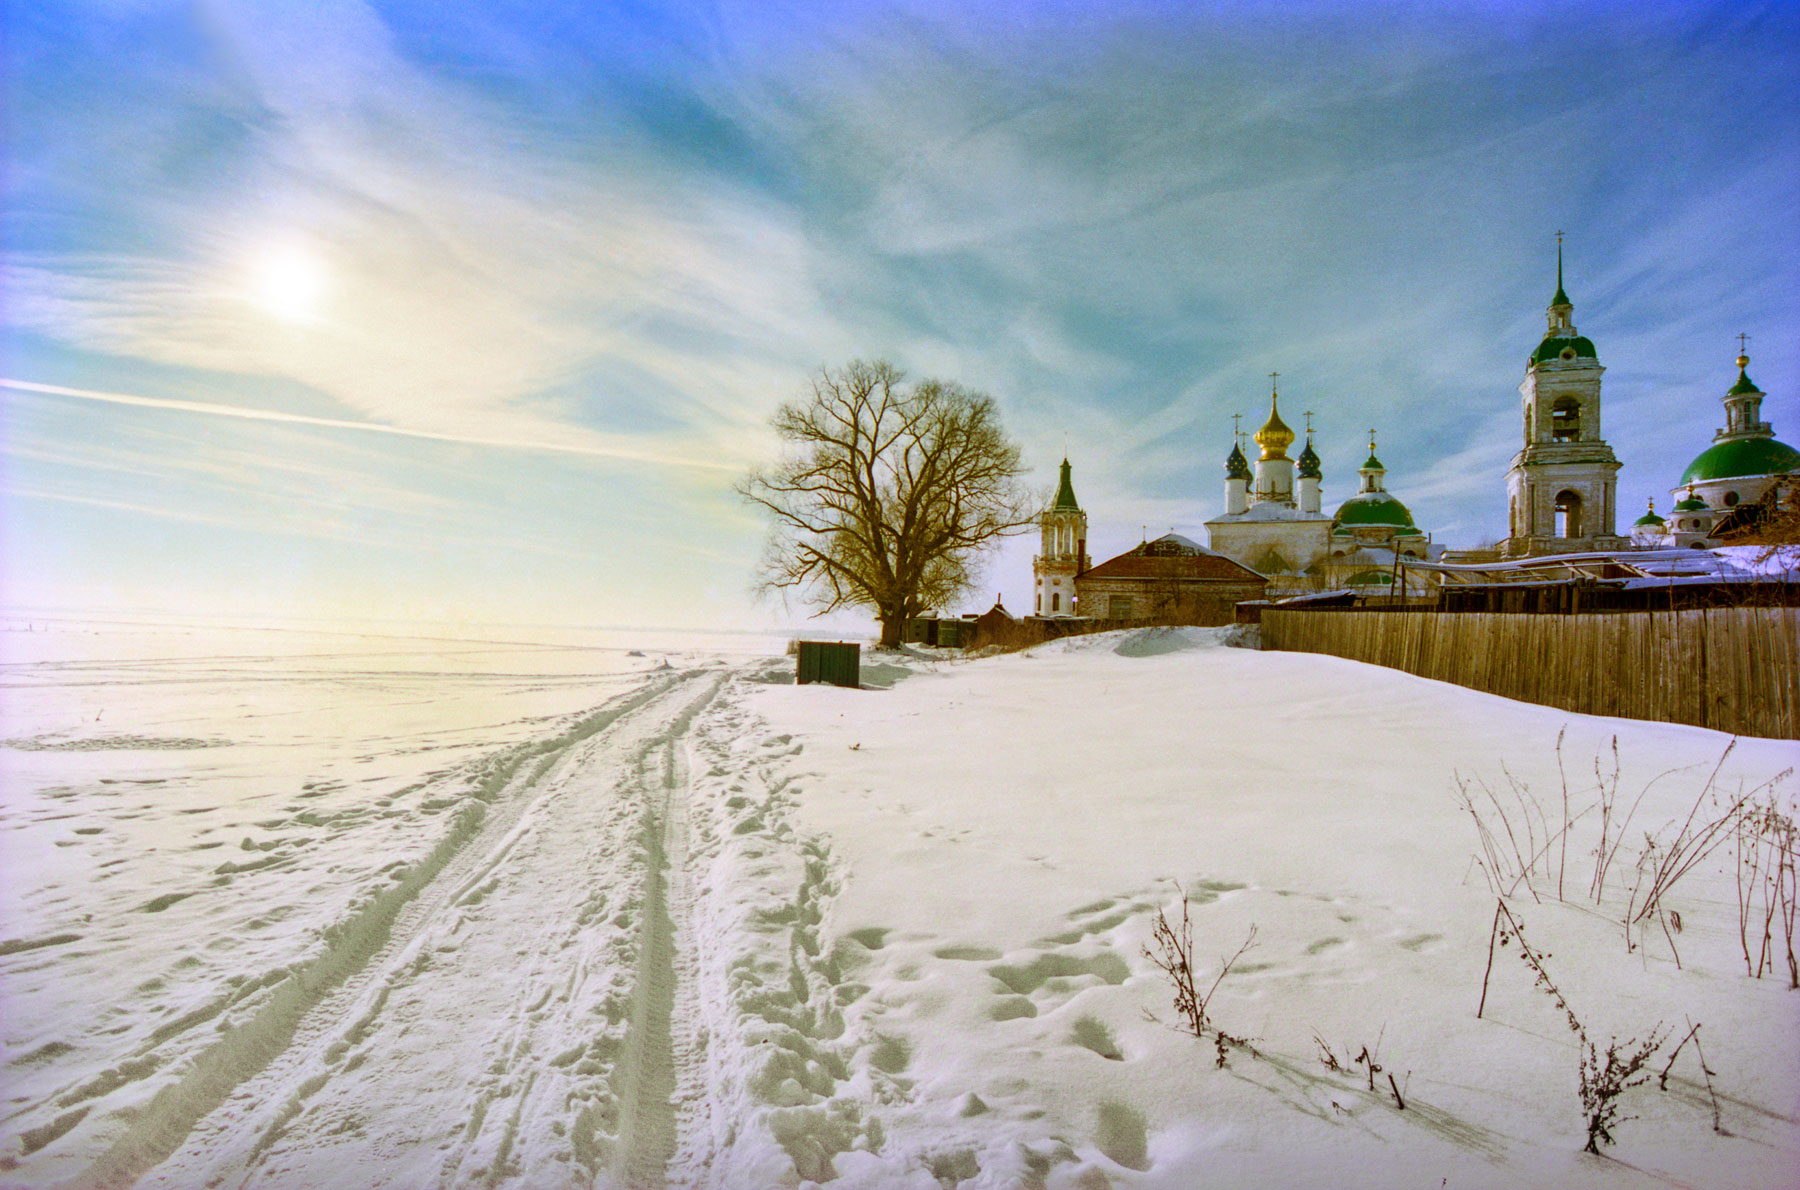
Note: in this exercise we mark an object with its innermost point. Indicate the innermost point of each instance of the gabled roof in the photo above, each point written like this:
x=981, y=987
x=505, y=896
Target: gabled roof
x=1174, y=558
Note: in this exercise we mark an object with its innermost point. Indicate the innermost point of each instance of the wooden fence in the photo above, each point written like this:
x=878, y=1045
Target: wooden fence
x=1734, y=669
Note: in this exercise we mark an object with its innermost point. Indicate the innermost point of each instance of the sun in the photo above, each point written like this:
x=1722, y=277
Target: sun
x=290, y=282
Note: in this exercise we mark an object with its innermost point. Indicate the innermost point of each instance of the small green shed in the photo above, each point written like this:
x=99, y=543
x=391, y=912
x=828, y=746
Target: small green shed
x=836, y=662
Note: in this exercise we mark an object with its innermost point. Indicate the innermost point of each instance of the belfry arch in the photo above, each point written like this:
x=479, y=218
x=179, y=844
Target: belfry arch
x=1568, y=513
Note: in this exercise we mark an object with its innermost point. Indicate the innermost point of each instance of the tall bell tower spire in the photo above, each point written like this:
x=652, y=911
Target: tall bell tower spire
x=1561, y=487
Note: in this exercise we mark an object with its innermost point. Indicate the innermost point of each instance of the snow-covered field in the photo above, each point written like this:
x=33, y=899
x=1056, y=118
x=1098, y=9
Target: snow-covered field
x=307, y=909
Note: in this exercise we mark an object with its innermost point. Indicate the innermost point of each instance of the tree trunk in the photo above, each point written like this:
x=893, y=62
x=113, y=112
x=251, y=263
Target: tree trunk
x=893, y=626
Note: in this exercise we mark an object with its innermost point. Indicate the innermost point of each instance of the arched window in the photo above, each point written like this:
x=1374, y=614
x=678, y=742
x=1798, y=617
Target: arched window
x=1565, y=420
x=1568, y=514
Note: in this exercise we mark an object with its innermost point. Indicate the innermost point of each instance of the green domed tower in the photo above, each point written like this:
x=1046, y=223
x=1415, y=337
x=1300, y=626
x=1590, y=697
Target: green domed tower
x=1373, y=506
x=1562, y=484
x=1744, y=462
x=1746, y=447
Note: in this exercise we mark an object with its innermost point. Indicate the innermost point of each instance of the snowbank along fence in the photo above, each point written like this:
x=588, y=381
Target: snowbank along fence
x=1734, y=669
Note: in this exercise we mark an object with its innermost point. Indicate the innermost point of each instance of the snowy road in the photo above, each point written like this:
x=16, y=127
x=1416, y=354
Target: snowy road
x=468, y=973
x=503, y=1009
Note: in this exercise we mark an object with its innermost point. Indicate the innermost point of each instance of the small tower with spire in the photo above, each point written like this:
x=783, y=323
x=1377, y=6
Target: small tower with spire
x=1309, y=472
x=1743, y=405
x=1063, y=554
x=1372, y=472
x=1561, y=487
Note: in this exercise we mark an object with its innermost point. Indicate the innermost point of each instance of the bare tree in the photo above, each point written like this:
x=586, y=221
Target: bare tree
x=886, y=494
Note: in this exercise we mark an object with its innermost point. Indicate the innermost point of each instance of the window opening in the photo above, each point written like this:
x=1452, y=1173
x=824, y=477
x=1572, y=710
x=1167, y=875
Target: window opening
x=1565, y=420
x=1568, y=514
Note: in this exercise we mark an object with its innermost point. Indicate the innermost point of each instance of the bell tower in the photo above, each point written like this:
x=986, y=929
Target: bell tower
x=1062, y=557
x=1562, y=485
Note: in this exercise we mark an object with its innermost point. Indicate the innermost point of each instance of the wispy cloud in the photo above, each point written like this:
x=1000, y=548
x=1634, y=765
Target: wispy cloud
x=211, y=409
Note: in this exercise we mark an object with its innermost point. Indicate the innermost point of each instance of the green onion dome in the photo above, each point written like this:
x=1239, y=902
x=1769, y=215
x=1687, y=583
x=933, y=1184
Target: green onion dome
x=1236, y=465
x=1693, y=503
x=1742, y=456
x=1374, y=508
x=1564, y=347
x=1650, y=520
x=1744, y=383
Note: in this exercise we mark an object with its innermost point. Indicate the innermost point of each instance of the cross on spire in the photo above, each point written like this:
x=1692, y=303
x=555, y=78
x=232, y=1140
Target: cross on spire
x=1560, y=295
x=1309, y=417
x=1743, y=339
x=1272, y=376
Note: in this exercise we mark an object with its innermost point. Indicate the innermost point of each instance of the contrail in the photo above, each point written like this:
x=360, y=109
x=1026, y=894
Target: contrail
x=334, y=423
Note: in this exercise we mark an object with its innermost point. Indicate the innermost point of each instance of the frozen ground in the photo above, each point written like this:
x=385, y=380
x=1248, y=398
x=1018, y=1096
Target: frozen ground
x=302, y=909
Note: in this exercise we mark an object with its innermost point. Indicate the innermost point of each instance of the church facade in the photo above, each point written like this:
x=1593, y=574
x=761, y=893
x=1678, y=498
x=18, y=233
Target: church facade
x=1274, y=522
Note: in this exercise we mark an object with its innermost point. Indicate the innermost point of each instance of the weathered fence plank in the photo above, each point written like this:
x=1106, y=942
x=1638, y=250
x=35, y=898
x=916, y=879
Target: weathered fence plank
x=1735, y=669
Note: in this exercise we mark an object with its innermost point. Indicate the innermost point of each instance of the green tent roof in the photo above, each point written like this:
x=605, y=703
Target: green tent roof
x=1065, y=493
x=1552, y=348
x=1742, y=456
x=1374, y=508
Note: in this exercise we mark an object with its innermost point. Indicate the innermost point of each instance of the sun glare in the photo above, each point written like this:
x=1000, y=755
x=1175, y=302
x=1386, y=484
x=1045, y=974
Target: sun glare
x=290, y=281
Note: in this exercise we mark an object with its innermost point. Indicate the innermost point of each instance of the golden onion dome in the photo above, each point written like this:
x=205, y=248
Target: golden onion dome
x=1274, y=437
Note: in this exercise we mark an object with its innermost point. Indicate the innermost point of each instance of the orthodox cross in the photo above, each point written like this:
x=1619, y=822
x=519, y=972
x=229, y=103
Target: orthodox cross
x=1743, y=339
x=1237, y=430
x=1272, y=376
x=1309, y=417
x=1371, y=439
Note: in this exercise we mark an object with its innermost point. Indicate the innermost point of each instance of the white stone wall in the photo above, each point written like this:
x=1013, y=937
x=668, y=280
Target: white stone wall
x=1301, y=542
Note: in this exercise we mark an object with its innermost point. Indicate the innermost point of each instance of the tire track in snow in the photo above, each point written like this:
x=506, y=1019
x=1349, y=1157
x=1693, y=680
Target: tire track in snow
x=353, y=954
x=647, y=1127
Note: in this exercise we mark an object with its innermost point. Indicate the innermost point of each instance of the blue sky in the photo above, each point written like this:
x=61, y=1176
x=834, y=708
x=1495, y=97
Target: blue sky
x=577, y=253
